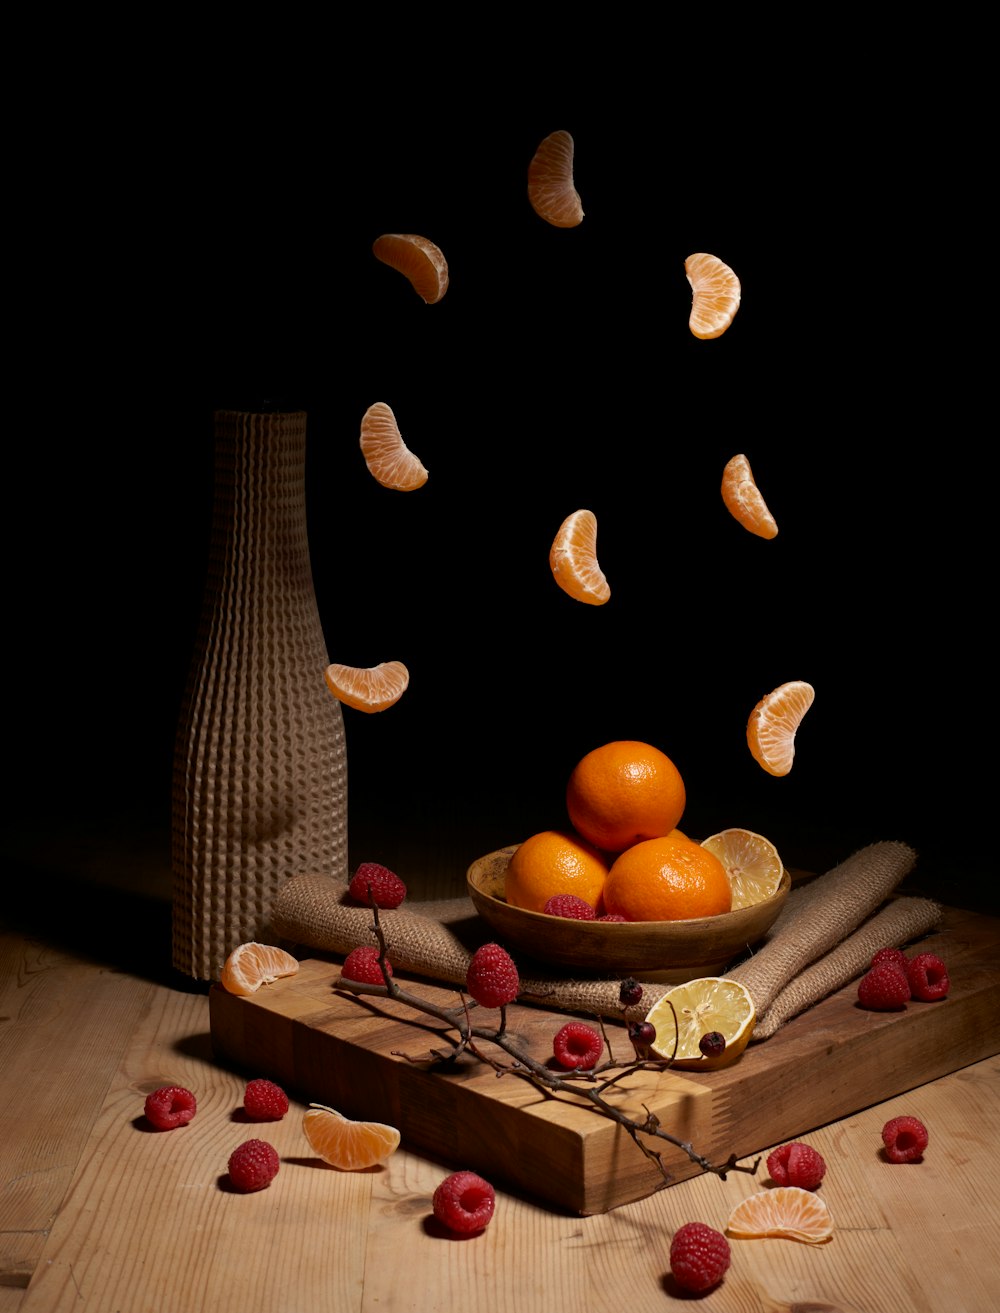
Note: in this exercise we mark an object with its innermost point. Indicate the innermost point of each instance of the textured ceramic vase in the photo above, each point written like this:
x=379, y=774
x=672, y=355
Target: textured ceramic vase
x=260, y=772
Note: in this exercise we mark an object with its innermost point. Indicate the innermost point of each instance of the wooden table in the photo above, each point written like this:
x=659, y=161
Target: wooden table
x=97, y=1213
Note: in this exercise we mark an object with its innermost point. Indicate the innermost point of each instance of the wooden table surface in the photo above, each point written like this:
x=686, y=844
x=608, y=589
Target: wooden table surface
x=98, y=1213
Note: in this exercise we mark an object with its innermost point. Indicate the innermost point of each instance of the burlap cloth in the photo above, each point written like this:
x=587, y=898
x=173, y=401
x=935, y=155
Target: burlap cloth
x=825, y=937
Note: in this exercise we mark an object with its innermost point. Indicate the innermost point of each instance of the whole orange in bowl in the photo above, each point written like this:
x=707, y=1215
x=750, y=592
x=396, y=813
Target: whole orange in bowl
x=555, y=862
x=624, y=792
x=670, y=878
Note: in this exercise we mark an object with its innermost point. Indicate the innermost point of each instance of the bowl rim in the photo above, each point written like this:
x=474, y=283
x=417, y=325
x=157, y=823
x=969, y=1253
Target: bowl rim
x=623, y=929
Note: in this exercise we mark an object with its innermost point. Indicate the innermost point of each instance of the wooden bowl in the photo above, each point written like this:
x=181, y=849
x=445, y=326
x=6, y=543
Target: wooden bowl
x=667, y=951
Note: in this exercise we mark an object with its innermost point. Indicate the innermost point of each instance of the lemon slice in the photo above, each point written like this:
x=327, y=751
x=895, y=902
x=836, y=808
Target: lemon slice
x=752, y=864
x=710, y=1003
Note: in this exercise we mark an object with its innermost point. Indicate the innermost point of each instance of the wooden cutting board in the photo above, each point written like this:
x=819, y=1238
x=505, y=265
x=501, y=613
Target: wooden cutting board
x=356, y=1055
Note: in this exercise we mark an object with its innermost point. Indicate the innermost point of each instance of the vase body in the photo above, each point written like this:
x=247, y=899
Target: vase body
x=260, y=767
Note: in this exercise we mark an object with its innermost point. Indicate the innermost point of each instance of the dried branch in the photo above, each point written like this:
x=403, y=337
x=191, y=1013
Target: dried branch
x=581, y=1084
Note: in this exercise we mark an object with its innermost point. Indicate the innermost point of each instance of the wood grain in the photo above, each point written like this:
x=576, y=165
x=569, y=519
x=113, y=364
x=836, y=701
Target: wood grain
x=356, y=1054
x=146, y=1222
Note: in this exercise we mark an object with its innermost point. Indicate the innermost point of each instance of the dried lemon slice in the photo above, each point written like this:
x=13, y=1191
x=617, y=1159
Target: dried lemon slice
x=711, y=1004
x=787, y=1211
x=752, y=864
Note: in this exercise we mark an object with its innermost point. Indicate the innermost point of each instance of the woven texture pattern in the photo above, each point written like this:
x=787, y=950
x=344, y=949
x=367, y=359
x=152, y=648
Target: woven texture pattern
x=260, y=771
x=824, y=938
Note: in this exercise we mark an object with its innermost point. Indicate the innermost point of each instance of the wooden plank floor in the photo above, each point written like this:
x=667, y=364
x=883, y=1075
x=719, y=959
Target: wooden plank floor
x=96, y=1212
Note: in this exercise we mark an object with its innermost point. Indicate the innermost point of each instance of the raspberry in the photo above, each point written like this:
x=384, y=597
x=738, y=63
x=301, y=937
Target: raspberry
x=894, y=956
x=170, y=1106
x=629, y=992
x=577, y=1045
x=796, y=1164
x=263, y=1101
x=492, y=977
x=611, y=916
x=884, y=989
x=464, y=1202
x=928, y=977
x=387, y=889
x=361, y=964
x=699, y=1256
x=905, y=1139
x=568, y=905
x=253, y=1166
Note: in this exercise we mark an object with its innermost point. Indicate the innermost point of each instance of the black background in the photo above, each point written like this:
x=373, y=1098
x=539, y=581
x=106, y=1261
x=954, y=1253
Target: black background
x=222, y=257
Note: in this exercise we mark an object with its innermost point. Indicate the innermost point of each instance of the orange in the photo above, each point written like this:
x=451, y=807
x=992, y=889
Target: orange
x=743, y=500
x=773, y=723
x=573, y=559
x=387, y=456
x=349, y=1145
x=551, y=191
x=417, y=259
x=715, y=294
x=623, y=792
x=371, y=688
x=785, y=1210
x=555, y=862
x=251, y=965
x=667, y=879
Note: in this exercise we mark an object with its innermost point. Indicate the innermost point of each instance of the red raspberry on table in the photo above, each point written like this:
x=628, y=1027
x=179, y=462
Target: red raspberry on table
x=361, y=964
x=492, y=977
x=928, y=977
x=577, y=1045
x=464, y=1202
x=263, y=1101
x=387, y=889
x=569, y=905
x=905, y=1139
x=893, y=956
x=699, y=1256
x=170, y=1106
x=253, y=1166
x=884, y=989
x=796, y=1164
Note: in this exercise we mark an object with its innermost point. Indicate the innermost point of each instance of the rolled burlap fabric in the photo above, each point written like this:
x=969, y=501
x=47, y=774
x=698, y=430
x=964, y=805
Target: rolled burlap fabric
x=814, y=948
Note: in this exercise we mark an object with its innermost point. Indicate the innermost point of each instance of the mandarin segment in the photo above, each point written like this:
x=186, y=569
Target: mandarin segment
x=773, y=724
x=251, y=965
x=786, y=1211
x=743, y=499
x=389, y=460
x=368, y=688
x=751, y=862
x=348, y=1145
x=573, y=559
x=418, y=259
x=551, y=191
x=711, y=1005
x=715, y=294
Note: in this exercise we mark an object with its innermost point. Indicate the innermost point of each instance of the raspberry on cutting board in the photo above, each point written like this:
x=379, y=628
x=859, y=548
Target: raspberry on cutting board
x=362, y=965
x=884, y=989
x=492, y=977
x=577, y=1046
